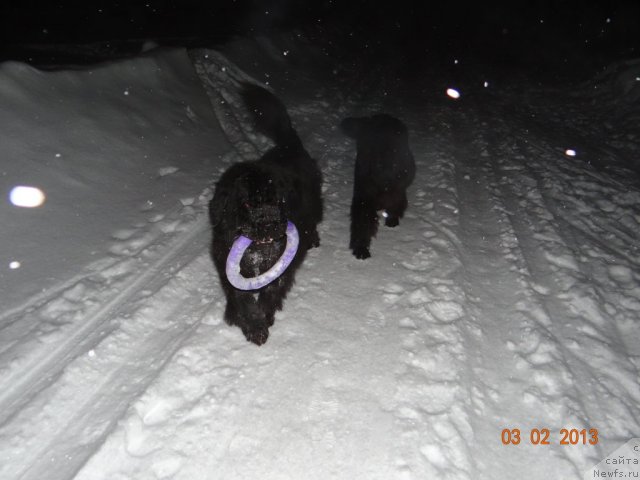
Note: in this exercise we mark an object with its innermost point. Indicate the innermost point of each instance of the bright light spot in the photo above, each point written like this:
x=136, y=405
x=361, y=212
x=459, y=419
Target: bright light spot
x=91, y=353
x=570, y=153
x=455, y=61
x=385, y=214
x=58, y=155
x=14, y=265
x=126, y=92
x=453, y=93
x=486, y=84
x=28, y=197
x=285, y=53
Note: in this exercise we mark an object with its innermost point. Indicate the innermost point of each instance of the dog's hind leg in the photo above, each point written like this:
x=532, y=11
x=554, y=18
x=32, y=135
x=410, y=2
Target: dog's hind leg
x=364, y=225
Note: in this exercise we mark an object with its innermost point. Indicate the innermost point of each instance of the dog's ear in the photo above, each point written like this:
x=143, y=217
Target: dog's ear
x=350, y=126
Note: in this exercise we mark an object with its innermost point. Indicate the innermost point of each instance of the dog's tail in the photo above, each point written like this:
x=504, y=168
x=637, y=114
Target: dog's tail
x=350, y=126
x=270, y=115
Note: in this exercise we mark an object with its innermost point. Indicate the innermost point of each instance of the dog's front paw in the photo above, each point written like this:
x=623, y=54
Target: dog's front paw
x=392, y=222
x=361, y=253
x=257, y=335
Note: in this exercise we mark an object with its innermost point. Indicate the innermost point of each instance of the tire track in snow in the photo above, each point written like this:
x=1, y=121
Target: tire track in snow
x=510, y=349
x=57, y=433
x=15, y=314
x=594, y=290
x=555, y=374
x=567, y=282
x=41, y=369
x=615, y=201
x=597, y=217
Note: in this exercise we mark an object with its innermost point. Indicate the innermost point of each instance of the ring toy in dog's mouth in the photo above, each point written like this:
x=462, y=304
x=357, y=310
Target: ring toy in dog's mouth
x=237, y=251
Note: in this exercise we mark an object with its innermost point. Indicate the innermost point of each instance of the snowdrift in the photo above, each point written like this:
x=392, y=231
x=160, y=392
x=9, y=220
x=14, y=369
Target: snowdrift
x=109, y=145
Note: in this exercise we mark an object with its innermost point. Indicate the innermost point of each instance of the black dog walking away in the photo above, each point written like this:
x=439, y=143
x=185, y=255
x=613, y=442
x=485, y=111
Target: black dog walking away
x=384, y=169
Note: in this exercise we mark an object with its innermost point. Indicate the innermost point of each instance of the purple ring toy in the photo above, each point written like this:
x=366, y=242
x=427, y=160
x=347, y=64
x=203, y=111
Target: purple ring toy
x=238, y=248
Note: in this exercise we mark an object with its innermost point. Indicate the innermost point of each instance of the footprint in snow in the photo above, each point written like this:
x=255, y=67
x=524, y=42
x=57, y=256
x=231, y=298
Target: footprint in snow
x=621, y=274
x=419, y=296
x=164, y=171
x=446, y=311
x=124, y=234
x=119, y=269
x=391, y=292
x=407, y=323
x=434, y=455
x=419, y=266
x=167, y=466
x=154, y=413
x=146, y=206
x=132, y=245
x=57, y=307
x=139, y=441
x=155, y=218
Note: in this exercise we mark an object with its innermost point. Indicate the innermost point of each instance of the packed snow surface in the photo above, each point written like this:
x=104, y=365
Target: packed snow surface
x=507, y=300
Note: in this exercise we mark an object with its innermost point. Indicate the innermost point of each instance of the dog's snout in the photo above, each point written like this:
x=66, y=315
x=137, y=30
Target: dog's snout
x=265, y=214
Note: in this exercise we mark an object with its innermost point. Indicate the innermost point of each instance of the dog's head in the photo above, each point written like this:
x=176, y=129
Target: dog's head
x=253, y=204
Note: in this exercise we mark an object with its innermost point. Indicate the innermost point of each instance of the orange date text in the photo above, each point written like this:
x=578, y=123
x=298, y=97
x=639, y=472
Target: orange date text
x=544, y=436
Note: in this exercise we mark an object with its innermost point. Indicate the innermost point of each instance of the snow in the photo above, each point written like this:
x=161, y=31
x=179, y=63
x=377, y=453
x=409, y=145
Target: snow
x=508, y=297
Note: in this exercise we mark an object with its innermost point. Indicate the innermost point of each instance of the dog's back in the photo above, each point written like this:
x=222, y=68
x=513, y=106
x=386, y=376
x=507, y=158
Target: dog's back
x=384, y=156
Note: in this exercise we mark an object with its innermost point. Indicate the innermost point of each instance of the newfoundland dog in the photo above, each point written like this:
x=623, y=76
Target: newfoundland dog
x=384, y=169
x=260, y=200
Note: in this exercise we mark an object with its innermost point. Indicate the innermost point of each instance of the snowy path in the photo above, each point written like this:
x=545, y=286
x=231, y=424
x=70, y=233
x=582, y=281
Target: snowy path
x=508, y=297
x=113, y=334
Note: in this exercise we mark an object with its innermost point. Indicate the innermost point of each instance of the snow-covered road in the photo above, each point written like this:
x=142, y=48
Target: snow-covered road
x=508, y=298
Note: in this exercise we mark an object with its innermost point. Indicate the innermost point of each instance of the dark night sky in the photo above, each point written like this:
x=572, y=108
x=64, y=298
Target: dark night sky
x=517, y=29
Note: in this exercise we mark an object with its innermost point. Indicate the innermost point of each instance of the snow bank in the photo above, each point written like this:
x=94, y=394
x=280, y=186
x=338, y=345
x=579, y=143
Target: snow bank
x=98, y=141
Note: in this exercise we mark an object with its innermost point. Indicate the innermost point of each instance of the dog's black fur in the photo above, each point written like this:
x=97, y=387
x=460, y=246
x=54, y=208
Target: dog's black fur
x=384, y=169
x=256, y=199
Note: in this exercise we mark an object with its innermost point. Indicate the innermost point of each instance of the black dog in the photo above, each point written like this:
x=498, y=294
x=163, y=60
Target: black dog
x=256, y=199
x=384, y=169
